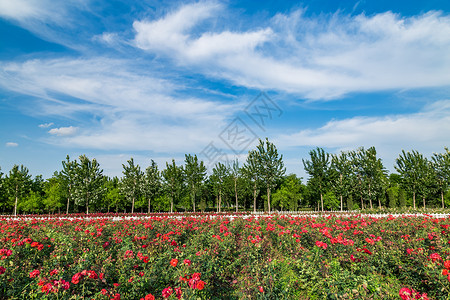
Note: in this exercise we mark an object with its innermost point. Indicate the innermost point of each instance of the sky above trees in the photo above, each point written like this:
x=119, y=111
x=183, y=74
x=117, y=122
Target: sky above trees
x=151, y=80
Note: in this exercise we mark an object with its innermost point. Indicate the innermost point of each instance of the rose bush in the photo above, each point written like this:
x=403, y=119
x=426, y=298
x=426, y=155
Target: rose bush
x=218, y=257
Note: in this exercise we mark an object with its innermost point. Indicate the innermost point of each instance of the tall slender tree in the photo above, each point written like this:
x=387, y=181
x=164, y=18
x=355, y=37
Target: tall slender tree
x=251, y=170
x=132, y=182
x=441, y=166
x=318, y=170
x=88, y=181
x=410, y=166
x=195, y=173
x=152, y=183
x=271, y=166
x=218, y=176
x=18, y=184
x=68, y=177
x=341, y=171
x=235, y=173
x=174, y=181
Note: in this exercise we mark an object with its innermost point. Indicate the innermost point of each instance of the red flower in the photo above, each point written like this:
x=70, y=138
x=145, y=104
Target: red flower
x=34, y=273
x=261, y=289
x=174, y=262
x=200, y=285
x=116, y=297
x=167, y=292
x=2, y=270
x=104, y=292
x=187, y=262
x=435, y=256
x=178, y=292
x=405, y=293
x=447, y=264
x=148, y=297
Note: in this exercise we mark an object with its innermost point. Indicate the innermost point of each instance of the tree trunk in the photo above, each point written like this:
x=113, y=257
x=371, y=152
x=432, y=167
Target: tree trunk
x=149, y=205
x=379, y=202
x=220, y=200
x=132, y=205
x=414, y=200
x=268, y=199
x=67, y=208
x=423, y=202
x=370, y=198
x=254, y=198
x=321, y=200
x=17, y=198
x=235, y=193
x=442, y=197
x=342, y=203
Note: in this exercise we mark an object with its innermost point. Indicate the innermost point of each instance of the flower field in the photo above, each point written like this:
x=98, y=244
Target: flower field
x=219, y=257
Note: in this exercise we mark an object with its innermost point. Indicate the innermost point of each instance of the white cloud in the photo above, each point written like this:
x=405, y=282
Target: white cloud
x=63, y=131
x=171, y=34
x=45, y=125
x=11, y=144
x=320, y=58
x=424, y=131
x=133, y=107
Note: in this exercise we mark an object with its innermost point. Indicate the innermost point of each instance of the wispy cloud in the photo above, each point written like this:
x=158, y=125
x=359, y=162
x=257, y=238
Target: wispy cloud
x=11, y=144
x=45, y=125
x=320, y=57
x=134, y=107
x=422, y=131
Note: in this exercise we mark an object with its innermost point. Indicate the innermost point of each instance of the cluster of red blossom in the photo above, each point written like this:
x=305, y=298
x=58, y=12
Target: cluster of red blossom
x=410, y=294
x=194, y=281
x=89, y=273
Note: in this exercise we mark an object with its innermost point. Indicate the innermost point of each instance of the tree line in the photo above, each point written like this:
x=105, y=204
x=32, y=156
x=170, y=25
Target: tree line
x=349, y=180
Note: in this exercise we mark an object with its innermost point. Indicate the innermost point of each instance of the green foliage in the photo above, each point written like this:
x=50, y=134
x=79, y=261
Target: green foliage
x=174, y=181
x=88, y=187
x=132, y=183
x=195, y=173
x=317, y=169
x=152, y=183
x=270, y=166
x=18, y=184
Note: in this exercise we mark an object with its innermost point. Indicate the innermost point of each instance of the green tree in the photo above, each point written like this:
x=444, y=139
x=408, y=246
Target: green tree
x=131, y=185
x=174, y=182
x=54, y=193
x=289, y=194
x=195, y=173
x=441, y=166
x=88, y=186
x=152, y=183
x=271, y=166
x=318, y=171
x=18, y=184
x=340, y=175
x=113, y=196
x=235, y=173
x=251, y=170
x=218, y=176
x=68, y=179
x=410, y=166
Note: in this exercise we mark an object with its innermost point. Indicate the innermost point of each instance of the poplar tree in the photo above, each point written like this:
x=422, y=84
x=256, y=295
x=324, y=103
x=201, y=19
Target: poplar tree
x=219, y=174
x=152, y=183
x=271, y=166
x=441, y=166
x=132, y=182
x=195, y=173
x=88, y=181
x=18, y=184
x=68, y=177
x=318, y=170
x=174, y=181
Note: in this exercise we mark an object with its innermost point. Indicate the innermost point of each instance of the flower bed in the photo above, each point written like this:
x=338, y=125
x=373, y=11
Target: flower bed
x=224, y=257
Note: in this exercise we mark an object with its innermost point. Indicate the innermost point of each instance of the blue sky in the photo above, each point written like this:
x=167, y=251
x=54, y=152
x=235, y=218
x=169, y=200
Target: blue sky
x=151, y=80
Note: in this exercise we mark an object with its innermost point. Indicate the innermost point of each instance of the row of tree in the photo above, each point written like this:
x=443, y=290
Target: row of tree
x=335, y=181
x=360, y=174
